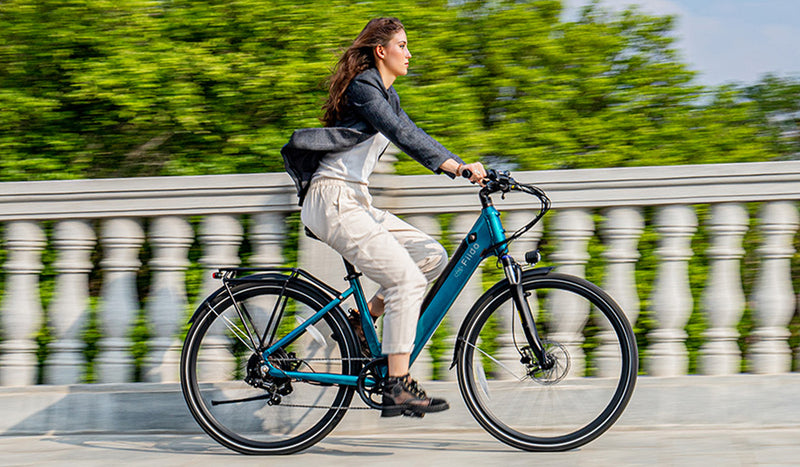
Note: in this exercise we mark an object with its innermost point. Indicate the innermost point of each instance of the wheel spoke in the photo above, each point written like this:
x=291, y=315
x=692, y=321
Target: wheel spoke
x=494, y=360
x=235, y=330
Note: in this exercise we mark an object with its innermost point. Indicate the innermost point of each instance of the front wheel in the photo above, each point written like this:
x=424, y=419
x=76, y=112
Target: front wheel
x=562, y=405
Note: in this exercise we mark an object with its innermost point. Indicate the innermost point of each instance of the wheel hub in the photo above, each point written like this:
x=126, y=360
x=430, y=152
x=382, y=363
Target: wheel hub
x=258, y=374
x=555, y=368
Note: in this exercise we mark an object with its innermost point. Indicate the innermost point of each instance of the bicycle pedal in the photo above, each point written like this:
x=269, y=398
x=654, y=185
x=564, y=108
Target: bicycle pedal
x=397, y=411
x=413, y=414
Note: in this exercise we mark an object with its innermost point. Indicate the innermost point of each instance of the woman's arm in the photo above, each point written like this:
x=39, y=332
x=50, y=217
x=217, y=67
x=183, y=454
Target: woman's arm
x=371, y=102
x=381, y=108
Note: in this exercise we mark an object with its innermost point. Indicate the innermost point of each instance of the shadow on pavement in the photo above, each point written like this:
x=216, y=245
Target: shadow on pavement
x=368, y=446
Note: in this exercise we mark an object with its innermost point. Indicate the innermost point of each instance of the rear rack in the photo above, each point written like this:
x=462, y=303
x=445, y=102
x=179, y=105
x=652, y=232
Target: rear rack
x=231, y=275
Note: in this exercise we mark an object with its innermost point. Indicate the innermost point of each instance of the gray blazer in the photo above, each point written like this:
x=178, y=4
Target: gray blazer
x=370, y=108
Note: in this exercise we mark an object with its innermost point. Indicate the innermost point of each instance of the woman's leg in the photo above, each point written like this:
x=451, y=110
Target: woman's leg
x=341, y=215
x=398, y=364
x=376, y=306
x=430, y=255
x=427, y=253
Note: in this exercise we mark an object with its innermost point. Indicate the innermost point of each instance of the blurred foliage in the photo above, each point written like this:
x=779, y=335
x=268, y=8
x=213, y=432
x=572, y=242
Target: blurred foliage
x=99, y=88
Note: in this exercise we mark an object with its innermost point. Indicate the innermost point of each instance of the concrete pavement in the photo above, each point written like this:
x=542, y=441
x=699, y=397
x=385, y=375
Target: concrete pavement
x=663, y=446
x=736, y=401
x=693, y=420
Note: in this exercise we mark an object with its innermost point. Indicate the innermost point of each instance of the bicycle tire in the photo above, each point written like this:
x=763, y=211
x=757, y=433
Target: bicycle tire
x=534, y=409
x=215, y=363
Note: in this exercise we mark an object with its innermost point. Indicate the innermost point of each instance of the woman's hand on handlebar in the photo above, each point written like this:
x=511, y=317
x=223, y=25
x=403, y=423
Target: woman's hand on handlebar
x=475, y=172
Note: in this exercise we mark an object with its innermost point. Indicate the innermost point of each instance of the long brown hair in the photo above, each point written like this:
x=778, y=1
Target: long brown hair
x=357, y=58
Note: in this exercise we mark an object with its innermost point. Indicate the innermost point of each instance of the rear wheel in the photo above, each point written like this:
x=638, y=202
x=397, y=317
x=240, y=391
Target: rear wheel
x=568, y=404
x=229, y=394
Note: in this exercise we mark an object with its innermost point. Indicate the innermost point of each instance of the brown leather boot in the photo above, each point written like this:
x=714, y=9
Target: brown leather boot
x=354, y=317
x=403, y=396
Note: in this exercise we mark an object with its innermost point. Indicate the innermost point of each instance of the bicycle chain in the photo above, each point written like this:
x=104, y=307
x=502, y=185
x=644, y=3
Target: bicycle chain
x=304, y=406
x=348, y=359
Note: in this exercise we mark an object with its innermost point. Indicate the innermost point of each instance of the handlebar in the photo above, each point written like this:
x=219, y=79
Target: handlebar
x=502, y=182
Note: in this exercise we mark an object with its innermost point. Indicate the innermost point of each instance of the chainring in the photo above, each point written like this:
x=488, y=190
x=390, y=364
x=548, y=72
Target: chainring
x=370, y=382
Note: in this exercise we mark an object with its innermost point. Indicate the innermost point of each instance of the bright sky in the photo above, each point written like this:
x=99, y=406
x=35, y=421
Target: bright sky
x=728, y=40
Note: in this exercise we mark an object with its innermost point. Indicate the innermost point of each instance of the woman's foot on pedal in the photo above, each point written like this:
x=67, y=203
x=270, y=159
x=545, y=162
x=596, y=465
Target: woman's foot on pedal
x=403, y=396
x=354, y=317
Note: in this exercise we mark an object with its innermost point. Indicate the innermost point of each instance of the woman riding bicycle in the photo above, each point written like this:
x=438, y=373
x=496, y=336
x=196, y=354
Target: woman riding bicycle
x=331, y=167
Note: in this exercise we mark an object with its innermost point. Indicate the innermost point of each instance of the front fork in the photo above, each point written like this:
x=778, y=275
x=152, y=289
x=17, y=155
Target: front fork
x=514, y=275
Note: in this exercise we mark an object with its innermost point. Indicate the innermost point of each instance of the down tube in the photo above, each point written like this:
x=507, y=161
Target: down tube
x=462, y=265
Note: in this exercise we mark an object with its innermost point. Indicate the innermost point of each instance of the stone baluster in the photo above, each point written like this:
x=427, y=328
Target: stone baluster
x=773, y=297
x=170, y=240
x=423, y=366
x=122, y=241
x=573, y=228
x=21, y=312
x=622, y=228
x=723, y=297
x=513, y=220
x=267, y=234
x=508, y=320
x=671, y=297
x=220, y=236
x=68, y=311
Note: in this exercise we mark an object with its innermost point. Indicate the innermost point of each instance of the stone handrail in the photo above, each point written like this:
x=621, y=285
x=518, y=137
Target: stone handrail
x=113, y=214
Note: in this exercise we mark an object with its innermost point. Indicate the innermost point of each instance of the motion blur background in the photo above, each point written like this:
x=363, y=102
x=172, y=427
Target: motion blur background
x=101, y=88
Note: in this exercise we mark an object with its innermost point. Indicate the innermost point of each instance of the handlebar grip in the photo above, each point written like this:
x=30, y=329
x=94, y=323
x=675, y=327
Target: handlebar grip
x=466, y=173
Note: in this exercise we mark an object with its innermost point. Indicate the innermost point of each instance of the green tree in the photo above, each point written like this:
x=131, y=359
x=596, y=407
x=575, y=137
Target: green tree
x=100, y=88
x=778, y=103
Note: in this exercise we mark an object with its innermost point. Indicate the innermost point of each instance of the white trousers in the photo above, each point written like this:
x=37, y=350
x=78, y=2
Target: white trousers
x=397, y=256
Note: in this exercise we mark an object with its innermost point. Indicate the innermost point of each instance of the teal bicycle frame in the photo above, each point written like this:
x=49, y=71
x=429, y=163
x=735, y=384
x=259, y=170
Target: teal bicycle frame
x=485, y=238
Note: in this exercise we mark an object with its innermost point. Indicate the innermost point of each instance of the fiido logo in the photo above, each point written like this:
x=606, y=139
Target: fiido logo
x=467, y=258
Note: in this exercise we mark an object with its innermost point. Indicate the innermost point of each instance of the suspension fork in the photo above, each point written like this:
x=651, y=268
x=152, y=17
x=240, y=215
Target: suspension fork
x=514, y=275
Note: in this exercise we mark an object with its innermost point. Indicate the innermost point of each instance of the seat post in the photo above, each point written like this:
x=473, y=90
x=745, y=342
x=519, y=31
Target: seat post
x=351, y=271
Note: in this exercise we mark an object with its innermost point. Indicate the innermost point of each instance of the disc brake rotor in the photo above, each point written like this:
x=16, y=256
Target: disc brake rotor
x=558, y=366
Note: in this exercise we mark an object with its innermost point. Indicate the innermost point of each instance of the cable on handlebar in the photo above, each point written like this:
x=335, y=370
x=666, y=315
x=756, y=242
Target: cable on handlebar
x=501, y=181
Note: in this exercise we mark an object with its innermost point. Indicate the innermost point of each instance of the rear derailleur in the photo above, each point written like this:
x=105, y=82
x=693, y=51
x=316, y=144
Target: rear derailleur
x=276, y=386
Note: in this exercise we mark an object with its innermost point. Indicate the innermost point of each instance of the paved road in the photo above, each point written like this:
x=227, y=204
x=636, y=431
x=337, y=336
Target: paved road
x=684, y=447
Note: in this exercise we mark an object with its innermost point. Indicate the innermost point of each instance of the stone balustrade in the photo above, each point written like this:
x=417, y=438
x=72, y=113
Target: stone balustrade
x=98, y=229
